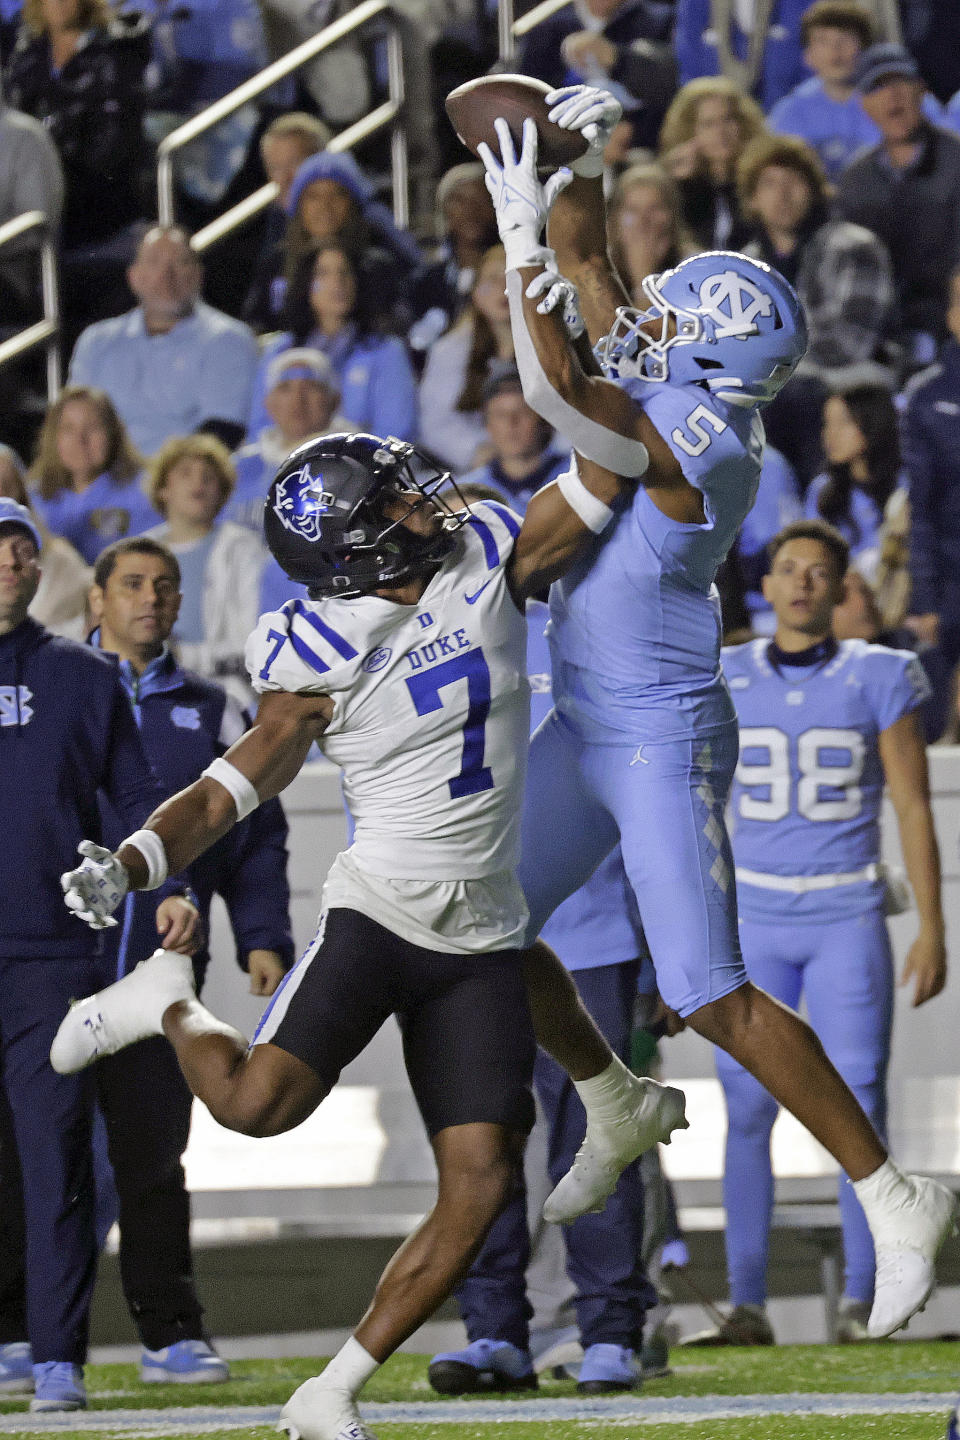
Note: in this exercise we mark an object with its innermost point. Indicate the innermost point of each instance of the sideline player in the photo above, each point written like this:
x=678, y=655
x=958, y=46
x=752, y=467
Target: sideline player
x=822, y=726
x=409, y=668
x=644, y=732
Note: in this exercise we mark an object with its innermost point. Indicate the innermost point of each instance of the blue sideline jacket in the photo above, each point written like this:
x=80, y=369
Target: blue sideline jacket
x=66, y=731
x=186, y=721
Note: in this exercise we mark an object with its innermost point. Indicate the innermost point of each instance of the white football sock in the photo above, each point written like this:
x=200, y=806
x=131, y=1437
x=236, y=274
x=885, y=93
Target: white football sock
x=609, y=1096
x=882, y=1191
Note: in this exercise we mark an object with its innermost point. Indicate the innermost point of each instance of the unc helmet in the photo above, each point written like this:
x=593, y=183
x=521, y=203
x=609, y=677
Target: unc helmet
x=326, y=521
x=740, y=330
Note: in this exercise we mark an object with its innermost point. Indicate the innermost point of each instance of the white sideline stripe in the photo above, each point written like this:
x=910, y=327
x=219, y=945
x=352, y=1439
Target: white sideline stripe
x=204, y=1419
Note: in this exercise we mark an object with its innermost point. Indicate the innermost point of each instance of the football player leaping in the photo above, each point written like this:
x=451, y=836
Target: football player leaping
x=409, y=668
x=643, y=731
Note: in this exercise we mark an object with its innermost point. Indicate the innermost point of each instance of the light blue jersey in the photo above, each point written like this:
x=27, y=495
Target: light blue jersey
x=809, y=783
x=599, y=924
x=837, y=129
x=635, y=626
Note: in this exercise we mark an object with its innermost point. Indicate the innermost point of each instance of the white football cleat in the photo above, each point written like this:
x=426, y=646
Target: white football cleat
x=319, y=1412
x=131, y=1009
x=907, y=1240
x=609, y=1148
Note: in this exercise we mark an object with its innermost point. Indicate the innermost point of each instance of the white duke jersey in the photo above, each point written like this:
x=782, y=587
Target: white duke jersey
x=807, y=792
x=431, y=708
x=635, y=625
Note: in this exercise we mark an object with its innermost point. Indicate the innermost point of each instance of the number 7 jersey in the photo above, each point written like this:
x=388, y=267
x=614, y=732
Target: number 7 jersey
x=431, y=708
x=809, y=784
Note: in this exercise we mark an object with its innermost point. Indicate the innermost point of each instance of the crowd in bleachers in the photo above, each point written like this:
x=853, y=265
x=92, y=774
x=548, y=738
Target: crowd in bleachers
x=822, y=138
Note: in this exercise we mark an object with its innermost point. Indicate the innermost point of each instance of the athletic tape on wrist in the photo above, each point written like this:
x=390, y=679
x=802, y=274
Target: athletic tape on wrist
x=629, y=458
x=523, y=247
x=152, y=848
x=243, y=792
x=589, y=166
x=592, y=511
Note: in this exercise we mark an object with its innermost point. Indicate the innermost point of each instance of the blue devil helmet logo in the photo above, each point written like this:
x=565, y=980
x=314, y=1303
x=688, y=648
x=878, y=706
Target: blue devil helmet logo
x=300, y=503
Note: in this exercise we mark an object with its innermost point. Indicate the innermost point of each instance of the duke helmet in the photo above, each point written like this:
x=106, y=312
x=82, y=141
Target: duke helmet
x=740, y=330
x=325, y=517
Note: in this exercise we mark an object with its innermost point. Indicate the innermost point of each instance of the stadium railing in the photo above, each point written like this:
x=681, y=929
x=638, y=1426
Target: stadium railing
x=44, y=332
x=390, y=112
x=510, y=30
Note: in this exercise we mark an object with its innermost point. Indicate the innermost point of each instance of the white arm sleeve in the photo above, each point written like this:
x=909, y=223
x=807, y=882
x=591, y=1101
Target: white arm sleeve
x=605, y=447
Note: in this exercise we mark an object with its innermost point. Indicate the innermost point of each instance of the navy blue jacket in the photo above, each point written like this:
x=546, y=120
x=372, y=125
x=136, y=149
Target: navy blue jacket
x=66, y=732
x=186, y=721
x=931, y=454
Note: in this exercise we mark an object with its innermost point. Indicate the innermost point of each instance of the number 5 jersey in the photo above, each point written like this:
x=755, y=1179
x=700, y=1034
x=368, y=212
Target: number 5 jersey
x=430, y=729
x=805, y=807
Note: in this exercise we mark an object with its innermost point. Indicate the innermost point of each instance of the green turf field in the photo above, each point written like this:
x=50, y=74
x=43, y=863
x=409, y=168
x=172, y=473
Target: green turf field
x=912, y=1374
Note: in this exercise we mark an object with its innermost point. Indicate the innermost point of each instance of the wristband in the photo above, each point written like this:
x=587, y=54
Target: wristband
x=243, y=793
x=152, y=848
x=591, y=510
x=523, y=248
x=589, y=166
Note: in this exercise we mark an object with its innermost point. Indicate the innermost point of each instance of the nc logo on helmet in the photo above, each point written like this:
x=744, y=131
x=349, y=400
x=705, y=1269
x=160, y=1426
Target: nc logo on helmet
x=733, y=304
x=300, y=503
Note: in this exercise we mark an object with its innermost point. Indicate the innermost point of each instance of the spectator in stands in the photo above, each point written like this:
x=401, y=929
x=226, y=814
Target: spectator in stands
x=907, y=190
x=522, y=457
x=844, y=277
x=61, y=600
x=333, y=306
x=467, y=226
x=191, y=479
x=199, y=53
x=863, y=473
x=705, y=132
x=825, y=110
x=645, y=225
x=173, y=365
x=931, y=32
x=331, y=199
x=31, y=178
x=78, y=68
x=451, y=391
x=755, y=46
x=302, y=393
x=931, y=452
x=85, y=474
x=623, y=45
x=284, y=145
x=778, y=503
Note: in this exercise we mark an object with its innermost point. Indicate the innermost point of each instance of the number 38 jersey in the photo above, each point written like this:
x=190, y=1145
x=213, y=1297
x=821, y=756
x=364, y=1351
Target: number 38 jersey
x=431, y=708
x=807, y=792
x=635, y=626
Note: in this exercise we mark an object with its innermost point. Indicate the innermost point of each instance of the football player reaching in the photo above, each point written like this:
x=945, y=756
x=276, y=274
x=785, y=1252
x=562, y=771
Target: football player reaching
x=643, y=732
x=408, y=667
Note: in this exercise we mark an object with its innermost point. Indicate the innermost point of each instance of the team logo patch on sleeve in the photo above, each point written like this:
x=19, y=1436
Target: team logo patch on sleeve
x=377, y=659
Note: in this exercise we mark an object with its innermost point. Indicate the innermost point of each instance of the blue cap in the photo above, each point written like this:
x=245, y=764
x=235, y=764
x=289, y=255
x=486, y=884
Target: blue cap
x=885, y=61
x=13, y=514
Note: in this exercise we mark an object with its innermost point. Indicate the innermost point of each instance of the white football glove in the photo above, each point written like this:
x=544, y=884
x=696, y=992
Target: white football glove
x=556, y=290
x=521, y=200
x=592, y=111
x=94, y=890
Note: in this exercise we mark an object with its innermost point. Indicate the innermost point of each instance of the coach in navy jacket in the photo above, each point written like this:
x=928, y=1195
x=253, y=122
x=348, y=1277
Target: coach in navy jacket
x=185, y=722
x=66, y=732
x=931, y=455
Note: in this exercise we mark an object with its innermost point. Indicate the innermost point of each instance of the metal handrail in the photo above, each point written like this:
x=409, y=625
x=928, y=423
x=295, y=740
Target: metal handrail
x=509, y=30
x=389, y=113
x=46, y=331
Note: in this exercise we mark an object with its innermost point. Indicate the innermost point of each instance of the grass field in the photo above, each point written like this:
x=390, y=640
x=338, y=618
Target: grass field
x=854, y=1392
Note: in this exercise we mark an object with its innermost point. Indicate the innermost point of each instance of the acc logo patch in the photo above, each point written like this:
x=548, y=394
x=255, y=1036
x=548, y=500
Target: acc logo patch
x=377, y=659
x=733, y=303
x=185, y=717
x=300, y=503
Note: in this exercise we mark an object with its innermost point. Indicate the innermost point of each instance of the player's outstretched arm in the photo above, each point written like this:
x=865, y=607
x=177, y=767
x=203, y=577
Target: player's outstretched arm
x=261, y=764
x=559, y=522
x=903, y=754
x=577, y=229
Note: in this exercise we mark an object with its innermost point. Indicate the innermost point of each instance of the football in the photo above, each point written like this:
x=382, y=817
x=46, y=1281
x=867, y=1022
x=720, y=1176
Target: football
x=473, y=107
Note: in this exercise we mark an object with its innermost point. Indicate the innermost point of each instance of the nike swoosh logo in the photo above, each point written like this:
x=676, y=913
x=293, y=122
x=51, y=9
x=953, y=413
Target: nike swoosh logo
x=472, y=599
